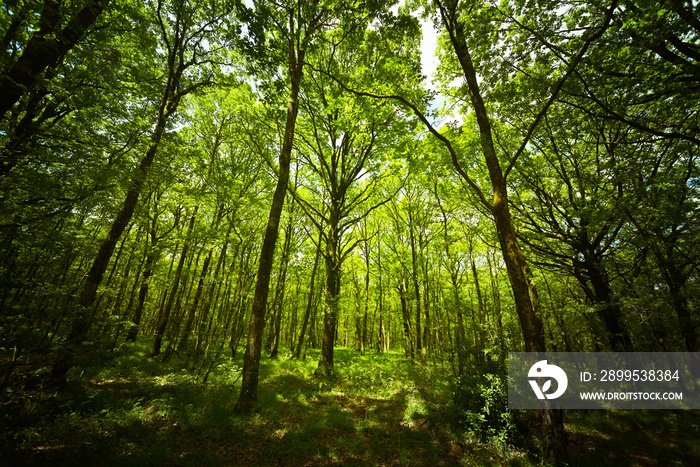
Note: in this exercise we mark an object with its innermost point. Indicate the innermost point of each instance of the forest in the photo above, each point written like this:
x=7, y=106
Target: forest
x=284, y=232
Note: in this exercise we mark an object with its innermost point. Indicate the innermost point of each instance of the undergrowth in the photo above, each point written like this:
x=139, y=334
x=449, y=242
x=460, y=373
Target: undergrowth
x=375, y=410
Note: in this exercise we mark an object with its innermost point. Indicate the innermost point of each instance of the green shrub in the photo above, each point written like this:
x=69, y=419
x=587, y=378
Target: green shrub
x=481, y=407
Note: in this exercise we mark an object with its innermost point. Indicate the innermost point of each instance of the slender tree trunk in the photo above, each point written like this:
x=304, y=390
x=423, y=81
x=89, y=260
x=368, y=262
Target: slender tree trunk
x=143, y=292
x=183, y=296
x=497, y=311
x=366, y=295
x=479, y=330
x=383, y=340
x=294, y=319
x=606, y=306
x=182, y=345
x=527, y=304
x=665, y=252
x=426, y=292
x=247, y=401
x=459, y=331
x=676, y=283
x=165, y=315
x=123, y=286
x=214, y=291
x=408, y=339
x=558, y=318
x=310, y=301
x=281, y=284
x=452, y=269
x=81, y=324
x=416, y=286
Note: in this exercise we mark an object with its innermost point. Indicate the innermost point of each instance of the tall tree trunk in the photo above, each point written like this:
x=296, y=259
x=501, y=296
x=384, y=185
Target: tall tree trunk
x=426, y=291
x=366, y=297
x=80, y=325
x=556, y=311
x=143, y=292
x=383, y=340
x=408, y=339
x=416, y=286
x=452, y=269
x=212, y=294
x=664, y=249
x=330, y=311
x=46, y=47
x=602, y=295
x=279, y=293
x=182, y=345
x=527, y=304
x=310, y=301
x=676, y=283
x=165, y=315
x=479, y=331
x=247, y=401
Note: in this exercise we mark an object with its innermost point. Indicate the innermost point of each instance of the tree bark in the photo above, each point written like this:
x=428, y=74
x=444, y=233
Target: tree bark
x=279, y=293
x=606, y=307
x=46, y=47
x=330, y=314
x=182, y=345
x=527, y=304
x=416, y=286
x=165, y=316
x=310, y=301
x=408, y=339
x=247, y=400
x=383, y=340
x=479, y=331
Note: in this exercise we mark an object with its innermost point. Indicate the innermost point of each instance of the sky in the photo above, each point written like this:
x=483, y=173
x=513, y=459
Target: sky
x=428, y=45
x=429, y=64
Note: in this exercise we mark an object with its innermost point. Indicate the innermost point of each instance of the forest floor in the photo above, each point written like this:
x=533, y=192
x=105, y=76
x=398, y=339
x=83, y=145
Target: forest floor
x=377, y=410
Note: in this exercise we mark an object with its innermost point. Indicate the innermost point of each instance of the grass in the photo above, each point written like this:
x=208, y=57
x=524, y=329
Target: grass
x=376, y=410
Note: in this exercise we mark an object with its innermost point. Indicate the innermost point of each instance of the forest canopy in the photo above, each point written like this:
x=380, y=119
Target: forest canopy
x=219, y=183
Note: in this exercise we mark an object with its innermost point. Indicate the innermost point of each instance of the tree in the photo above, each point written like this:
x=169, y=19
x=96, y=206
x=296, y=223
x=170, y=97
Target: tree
x=347, y=140
x=190, y=35
x=452, y=16
x=574, y=219
x=293, y=30
x=52, y=39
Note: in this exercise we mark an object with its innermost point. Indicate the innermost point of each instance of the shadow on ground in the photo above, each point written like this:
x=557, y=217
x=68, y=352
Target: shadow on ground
x=377, y=411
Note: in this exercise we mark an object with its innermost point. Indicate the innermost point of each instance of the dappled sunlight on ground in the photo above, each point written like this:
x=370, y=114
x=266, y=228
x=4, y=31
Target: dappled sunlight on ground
x=376, y=410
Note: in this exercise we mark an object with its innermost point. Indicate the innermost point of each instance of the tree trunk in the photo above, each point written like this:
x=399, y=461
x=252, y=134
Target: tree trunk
x=310, y=301
x=606, y=307
x=330, y=315
x=366, y=298
x=480, y=344
x=165, y=316
x=143, y=292
x=426, y=292
x=81, y=323
x=527, y=304
x=182, y=345
x=416, y=286
x=247, y=401
x=408, y=339
x=383, y=340
x=214, y=291
x=46, y=47
x=279, y=293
